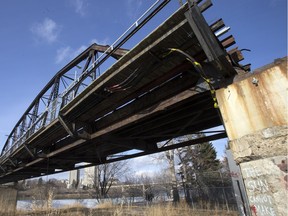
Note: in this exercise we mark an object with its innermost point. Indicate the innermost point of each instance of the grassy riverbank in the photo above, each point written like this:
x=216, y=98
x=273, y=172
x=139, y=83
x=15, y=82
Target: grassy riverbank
x=107, y=209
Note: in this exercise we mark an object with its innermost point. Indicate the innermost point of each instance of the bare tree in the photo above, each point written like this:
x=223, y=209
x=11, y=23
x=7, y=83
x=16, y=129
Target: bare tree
x=169, y=156
x=163, y=180
x=171, y=160
x=104, y=177
x=43, y=195
x=131, y=187
x=157, y=186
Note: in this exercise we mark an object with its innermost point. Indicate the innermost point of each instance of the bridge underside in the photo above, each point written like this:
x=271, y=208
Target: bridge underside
x=148, y=96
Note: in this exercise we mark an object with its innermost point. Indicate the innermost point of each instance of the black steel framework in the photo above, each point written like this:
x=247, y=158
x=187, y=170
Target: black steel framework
x=148, y=96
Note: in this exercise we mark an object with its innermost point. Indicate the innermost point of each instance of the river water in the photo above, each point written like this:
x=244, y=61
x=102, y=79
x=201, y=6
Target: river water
x=90, y=203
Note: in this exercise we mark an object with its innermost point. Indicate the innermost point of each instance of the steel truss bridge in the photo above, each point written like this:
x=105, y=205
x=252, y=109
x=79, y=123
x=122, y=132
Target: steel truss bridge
x=148, y=95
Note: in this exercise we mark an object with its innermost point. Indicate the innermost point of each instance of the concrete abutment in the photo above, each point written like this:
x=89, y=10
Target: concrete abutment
x=254, y=112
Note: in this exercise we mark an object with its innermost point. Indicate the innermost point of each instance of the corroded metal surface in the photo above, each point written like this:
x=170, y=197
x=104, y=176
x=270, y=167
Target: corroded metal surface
x=257, y=102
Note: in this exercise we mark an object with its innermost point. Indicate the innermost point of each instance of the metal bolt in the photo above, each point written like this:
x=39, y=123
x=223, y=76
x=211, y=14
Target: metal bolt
x=255, y=81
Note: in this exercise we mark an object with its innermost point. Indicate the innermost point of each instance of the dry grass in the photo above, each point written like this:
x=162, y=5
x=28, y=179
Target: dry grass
x=105, y=205
x=184, y=210
x=170, y=210
x=7, y=201
x=108, y=209
x=74, y=205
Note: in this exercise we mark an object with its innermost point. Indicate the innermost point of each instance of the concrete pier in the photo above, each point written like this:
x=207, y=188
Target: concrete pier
x=8, y=201
x=254, y=111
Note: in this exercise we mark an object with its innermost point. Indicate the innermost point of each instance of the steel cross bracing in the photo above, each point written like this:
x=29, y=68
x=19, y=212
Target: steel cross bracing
x=147, y=96
x=45, y=107
x=53, y=101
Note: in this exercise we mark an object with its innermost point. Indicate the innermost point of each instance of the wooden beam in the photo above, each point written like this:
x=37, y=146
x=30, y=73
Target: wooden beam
x=228, y=41
x=208, y=41
x=163, y=105
x=176, y=22
x=116, y=54
x=150, y=99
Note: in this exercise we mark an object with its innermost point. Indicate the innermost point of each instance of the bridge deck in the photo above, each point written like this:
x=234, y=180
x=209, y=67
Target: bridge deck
x=148, y=96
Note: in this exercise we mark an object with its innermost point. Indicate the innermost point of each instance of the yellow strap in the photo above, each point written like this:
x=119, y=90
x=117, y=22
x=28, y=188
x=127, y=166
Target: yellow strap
x=208, y=81
x=197, y=63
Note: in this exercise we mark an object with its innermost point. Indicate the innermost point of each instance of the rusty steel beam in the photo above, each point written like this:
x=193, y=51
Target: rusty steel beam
x=174, y=146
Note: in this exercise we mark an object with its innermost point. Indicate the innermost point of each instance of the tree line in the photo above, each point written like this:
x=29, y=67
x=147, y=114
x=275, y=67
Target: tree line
x=193, y=173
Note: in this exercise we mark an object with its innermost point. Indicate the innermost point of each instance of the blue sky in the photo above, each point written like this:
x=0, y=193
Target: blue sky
x=39, y=37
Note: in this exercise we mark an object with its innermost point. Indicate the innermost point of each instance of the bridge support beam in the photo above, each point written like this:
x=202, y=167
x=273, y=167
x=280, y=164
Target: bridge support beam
x=254, y=112
x=8, y=201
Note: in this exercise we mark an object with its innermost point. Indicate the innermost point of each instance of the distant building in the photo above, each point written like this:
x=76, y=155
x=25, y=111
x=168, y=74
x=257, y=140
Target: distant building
x=90, y=176
x=74, y=178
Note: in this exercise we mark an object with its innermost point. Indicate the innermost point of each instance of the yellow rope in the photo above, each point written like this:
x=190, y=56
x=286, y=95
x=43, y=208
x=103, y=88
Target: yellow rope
x=198, y=68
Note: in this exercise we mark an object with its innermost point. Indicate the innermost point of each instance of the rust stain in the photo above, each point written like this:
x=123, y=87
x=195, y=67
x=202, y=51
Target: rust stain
x=257, y=102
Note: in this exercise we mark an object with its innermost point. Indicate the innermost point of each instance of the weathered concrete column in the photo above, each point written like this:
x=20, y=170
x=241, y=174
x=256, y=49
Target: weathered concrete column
x=255, y=115
x=8, y=201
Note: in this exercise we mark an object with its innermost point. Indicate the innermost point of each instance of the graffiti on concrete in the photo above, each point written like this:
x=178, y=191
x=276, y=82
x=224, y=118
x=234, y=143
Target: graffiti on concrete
x=265, y=181
x=258, y=191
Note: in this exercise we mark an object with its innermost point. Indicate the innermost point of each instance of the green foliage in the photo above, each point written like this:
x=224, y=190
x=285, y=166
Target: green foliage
x=200, y=166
